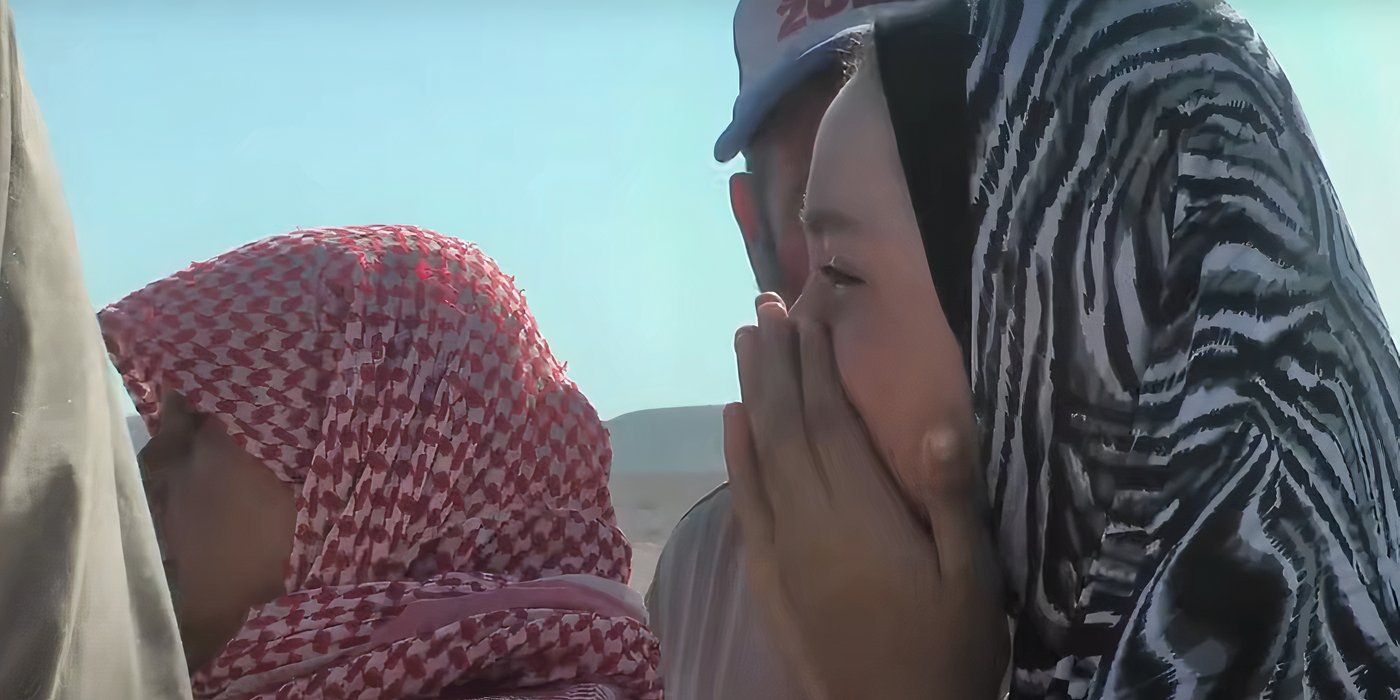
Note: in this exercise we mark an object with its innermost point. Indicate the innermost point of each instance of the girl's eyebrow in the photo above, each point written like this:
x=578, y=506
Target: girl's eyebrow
x=823, y=222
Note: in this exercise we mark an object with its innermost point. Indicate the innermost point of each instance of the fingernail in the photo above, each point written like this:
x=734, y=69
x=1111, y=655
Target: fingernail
x=769, y=298
x=774, y=310
x=741, y=334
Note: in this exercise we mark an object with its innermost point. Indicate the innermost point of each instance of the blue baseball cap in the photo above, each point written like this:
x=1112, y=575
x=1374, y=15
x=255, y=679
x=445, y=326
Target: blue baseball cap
x=781, y=43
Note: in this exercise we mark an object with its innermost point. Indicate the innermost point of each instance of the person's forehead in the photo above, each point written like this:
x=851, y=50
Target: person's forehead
x=791, y=126
x=853, y=139
x=171, y=404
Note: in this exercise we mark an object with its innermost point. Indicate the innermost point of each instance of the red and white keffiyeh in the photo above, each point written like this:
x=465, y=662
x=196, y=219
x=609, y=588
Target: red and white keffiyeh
x=455, y=535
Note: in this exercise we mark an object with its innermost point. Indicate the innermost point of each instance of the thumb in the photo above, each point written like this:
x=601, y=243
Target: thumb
x=953, y=496
x=948, y=473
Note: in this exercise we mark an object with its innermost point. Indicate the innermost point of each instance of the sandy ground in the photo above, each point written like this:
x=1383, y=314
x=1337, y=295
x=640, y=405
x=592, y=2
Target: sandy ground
x=648, y=507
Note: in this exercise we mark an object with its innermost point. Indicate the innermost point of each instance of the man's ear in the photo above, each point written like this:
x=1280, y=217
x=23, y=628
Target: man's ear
x=743, y=200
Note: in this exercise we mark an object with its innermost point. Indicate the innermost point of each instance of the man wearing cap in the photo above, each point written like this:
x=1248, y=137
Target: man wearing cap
x=713, y=644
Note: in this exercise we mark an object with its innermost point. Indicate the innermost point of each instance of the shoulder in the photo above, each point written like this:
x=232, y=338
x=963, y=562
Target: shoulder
x=704, y=540
x=701, y=528
x=715, y=504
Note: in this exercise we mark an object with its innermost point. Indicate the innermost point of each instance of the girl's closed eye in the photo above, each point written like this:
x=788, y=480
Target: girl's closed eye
x=839, y=276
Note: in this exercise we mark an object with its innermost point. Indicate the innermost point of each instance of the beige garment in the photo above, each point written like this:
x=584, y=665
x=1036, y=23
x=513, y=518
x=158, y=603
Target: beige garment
x=713, y=642
x=84, y=608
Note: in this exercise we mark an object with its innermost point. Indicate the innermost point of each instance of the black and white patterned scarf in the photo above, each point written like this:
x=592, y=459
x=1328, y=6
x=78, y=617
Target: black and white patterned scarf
x=1187, y=392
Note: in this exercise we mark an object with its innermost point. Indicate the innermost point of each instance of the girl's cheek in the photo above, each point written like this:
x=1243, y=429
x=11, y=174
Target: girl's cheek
x=855, y=361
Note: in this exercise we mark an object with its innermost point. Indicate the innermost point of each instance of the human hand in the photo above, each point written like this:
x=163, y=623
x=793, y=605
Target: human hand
x=872, y=594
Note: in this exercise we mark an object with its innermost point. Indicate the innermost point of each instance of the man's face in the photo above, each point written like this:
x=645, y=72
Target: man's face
x=767, y=199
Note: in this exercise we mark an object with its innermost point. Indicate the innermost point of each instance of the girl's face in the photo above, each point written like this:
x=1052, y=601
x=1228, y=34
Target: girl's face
x=870, y=284
x=225, y=525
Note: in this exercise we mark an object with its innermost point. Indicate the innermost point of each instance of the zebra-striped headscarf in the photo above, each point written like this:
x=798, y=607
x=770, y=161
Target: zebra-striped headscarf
x=1187, y=392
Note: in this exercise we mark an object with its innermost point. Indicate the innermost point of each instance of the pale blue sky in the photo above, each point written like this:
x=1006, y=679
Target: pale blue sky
x=572, y=144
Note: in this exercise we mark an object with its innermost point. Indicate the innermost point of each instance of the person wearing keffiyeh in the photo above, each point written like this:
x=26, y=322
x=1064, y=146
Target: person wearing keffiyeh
x=371, y=475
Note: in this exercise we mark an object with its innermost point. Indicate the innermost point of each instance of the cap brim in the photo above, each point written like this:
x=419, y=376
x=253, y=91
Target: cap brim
x=754, y=103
